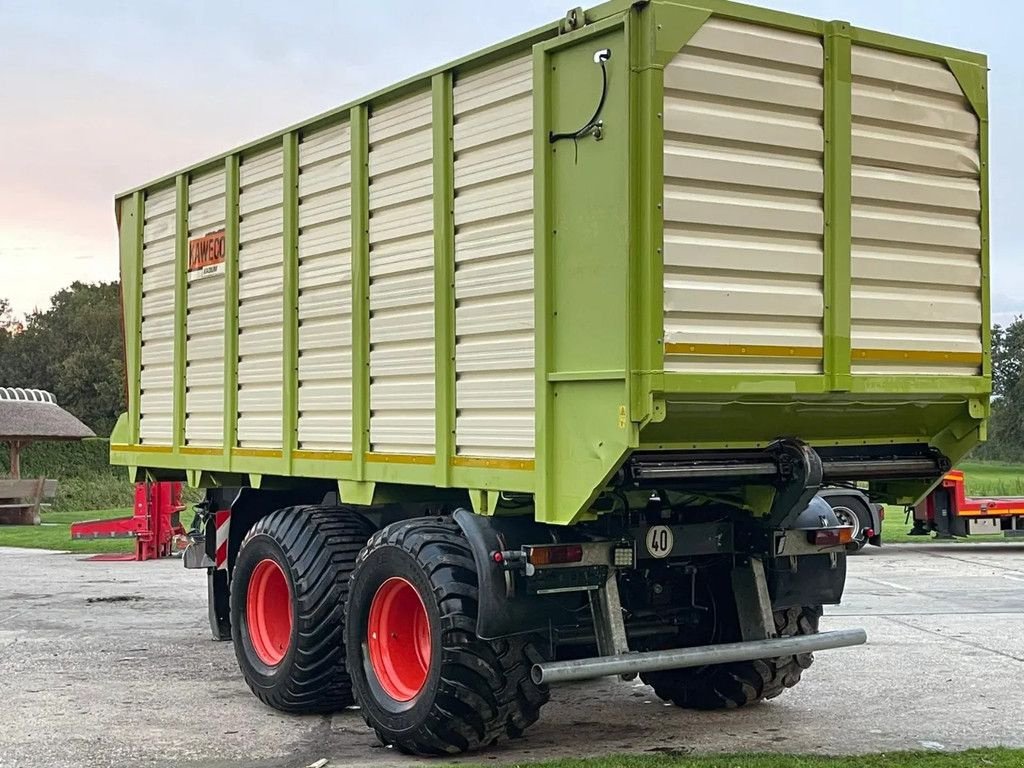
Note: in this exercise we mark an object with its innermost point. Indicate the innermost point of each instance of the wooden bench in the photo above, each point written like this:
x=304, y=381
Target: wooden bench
x=21, y=500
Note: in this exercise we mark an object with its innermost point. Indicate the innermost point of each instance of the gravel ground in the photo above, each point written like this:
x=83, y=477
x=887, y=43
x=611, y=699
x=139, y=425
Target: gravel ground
x=110, y=664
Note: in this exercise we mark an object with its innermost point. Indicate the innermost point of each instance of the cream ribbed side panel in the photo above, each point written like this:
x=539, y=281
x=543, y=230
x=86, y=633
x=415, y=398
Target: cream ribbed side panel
x=157, y=374
x=494, y=325
x=402, y=277
x=325, y=289
x=744, y=197
x=916, y=219
x=204, y=346
x=260, y=286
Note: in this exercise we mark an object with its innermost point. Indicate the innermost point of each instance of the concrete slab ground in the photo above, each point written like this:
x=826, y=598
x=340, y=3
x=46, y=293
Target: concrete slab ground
x=110, y=664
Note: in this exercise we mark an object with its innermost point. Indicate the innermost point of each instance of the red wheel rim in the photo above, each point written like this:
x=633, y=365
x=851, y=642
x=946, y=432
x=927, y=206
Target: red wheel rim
x=268, y=612
x=398, y=638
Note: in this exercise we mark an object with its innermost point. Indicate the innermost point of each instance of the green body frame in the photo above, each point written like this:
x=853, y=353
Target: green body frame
x=601, y=388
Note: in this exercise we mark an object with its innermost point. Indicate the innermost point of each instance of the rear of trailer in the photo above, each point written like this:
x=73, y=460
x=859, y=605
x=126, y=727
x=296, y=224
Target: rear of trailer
x=575, y=343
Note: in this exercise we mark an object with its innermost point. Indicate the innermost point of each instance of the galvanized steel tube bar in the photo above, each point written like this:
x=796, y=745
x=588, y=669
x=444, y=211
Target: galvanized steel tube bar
x=680, y=658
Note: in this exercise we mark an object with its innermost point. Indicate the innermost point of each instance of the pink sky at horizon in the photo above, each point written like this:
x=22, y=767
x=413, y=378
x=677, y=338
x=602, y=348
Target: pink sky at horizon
x=101, y=98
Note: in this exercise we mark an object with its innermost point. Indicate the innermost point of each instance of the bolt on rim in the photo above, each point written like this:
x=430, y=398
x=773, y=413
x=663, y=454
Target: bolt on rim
x=398, y=639
x=268, y=612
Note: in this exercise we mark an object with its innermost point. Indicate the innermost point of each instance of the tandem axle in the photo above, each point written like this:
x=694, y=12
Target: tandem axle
x=674, y=578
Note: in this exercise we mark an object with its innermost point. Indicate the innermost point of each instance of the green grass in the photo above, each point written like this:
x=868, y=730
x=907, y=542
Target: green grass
x=895, y=530
x=975, y=758
x=55, y=532
x=993, y=478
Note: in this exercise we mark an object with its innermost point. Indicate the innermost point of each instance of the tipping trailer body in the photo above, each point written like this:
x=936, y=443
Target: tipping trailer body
x=560, y=346
x=775, y=226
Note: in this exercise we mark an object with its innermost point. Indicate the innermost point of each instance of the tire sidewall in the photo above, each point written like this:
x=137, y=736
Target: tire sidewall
x=858, y=509
x=255, y=549
x=379, y=565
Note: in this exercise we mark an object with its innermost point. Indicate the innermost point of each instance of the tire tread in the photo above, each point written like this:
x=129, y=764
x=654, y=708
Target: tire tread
x=321, y=544
x=485, y=691
x=729, y=686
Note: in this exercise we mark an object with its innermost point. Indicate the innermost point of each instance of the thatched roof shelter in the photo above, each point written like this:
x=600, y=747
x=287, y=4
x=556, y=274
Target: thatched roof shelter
x=32, y=414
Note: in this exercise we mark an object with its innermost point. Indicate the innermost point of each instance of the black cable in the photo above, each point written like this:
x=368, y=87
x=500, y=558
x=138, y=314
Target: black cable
x=594, y=121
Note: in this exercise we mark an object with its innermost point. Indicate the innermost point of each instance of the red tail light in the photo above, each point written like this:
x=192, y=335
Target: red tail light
x=831, y=537
x=556, y=554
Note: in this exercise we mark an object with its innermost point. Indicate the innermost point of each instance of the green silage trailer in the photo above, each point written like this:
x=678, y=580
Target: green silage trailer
x=588, y=354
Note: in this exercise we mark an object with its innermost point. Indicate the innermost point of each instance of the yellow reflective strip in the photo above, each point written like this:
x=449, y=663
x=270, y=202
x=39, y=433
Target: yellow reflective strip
x=196, y=450
x=743, y=350
x=398, y=458
x=482, y=463
x=322, y=455
x=258, y=453
x=122, y=447
x=916, y=356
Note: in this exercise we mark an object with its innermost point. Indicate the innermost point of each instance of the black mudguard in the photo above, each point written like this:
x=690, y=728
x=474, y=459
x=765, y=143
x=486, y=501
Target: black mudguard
x=817, y=580
x=808, y=579
x=504, y=607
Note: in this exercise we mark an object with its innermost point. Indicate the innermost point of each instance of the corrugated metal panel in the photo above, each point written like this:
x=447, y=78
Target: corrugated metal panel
x=402, y=277
x=325, y=290
x=204, y=346
x=260, y=283
x=157, y=373
x=744, y=196
x=916, y=218
x=494, y=349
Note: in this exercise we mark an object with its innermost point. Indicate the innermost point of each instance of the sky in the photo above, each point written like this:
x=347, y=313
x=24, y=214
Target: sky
x=99, y=97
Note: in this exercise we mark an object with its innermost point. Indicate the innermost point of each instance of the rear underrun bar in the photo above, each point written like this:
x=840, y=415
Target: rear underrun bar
x=700, y=656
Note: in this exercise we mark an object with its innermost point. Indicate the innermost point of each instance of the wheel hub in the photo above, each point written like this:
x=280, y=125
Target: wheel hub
x=847, y=516
x=398, y=639
x=268, y=612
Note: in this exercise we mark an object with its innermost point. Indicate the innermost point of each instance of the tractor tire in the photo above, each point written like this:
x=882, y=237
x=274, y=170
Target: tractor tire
x=425, y=682
x=288, y=593
x=729, y=686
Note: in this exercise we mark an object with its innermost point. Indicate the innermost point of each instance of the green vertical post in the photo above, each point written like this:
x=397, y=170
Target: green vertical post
x=134, y=344
x=360, y=289
x=444, y=276
x=972, y=77
x=838, y=205
x=290, y=318
x=180, y=310
x=230, y=304
x=645, y=300
x=986, y=297
x=543, y=394
x=658, y=33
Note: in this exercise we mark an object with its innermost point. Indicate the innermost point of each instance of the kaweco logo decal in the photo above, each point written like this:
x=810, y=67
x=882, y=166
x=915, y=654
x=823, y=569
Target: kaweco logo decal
x=206, y=254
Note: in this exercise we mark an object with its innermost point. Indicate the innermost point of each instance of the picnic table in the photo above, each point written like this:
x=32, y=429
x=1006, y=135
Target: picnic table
x=21, y=500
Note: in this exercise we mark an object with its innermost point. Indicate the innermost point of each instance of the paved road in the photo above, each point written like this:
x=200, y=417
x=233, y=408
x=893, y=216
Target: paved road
x=108, y=664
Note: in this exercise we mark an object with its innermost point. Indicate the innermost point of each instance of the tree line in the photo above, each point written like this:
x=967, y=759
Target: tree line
x=1006, y=426
x=74, y=349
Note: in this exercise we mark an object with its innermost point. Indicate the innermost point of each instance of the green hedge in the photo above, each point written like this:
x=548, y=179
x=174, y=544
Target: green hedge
x=85, y=478
x=75, y=458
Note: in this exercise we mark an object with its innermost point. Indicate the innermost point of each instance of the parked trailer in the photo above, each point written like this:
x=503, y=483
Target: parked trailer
x=949, y=512
x=534, y=367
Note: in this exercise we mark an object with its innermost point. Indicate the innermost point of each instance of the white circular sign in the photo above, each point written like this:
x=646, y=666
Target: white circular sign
x=660, y=541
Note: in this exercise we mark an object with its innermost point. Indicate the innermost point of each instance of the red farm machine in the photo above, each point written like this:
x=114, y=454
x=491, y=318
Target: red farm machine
x=154, y=523
x=948, y=512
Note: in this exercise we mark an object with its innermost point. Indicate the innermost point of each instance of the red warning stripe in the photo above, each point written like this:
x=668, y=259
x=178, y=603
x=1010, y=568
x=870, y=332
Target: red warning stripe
x=222, y=520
